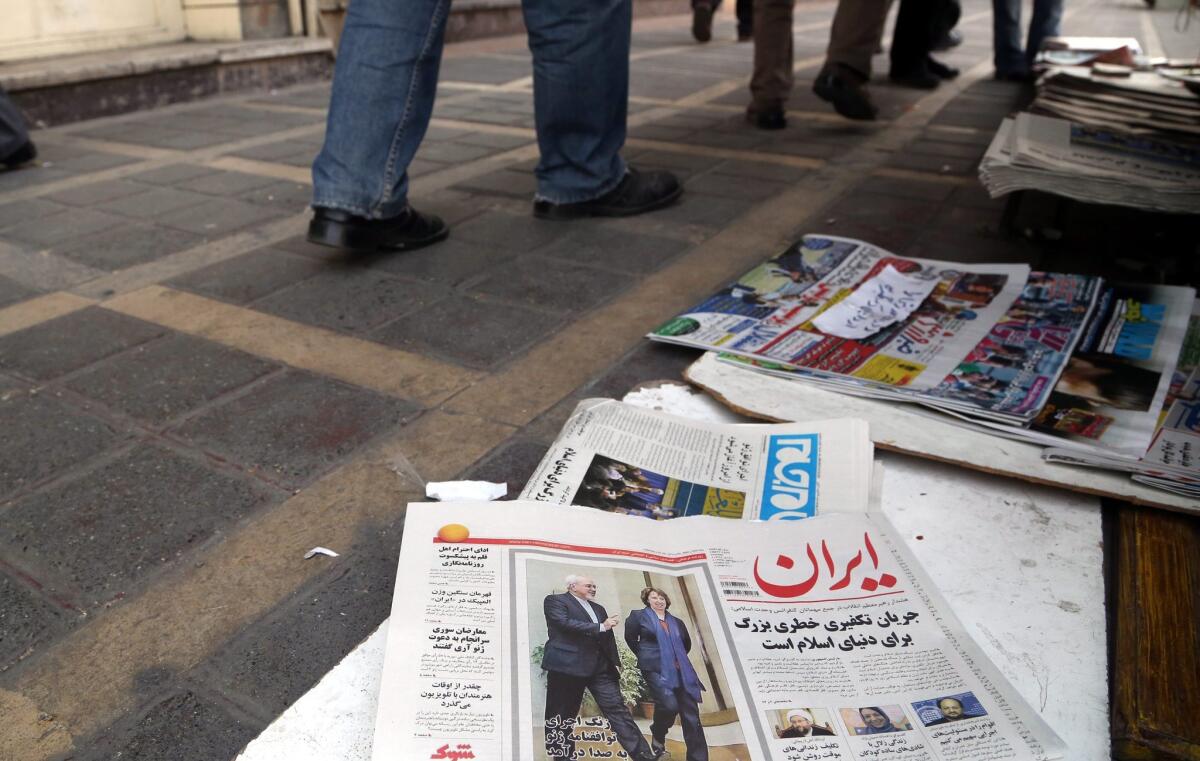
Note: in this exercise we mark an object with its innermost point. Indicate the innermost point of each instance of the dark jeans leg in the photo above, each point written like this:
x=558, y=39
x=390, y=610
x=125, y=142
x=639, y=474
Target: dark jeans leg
x=564, y=694
x=745, y=17
x=607, y=693
x=666, y=708
x=693, y=731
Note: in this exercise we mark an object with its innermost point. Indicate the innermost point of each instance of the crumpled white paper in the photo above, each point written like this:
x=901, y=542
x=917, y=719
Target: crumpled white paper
x=466, y=491
x=883, y=300
x=320, y=551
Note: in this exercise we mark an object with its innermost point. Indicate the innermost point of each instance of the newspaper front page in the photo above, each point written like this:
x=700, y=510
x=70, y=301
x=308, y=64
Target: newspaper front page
x=529, y=632
x=768, y=313
x=625, y=459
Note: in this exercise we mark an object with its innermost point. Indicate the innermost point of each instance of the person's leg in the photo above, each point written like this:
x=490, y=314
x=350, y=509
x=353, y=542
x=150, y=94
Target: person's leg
x=15, y=145
x=580, y=94
x=1006, y=38
x=854, y=37
x=702, y=17
x=745, y=20
x=564, y=695
x=666, y=708
x=771, y=80
x=384, y=85
x=1045, y=22
x=910, y=39
x=607, y=693
x=693, y=731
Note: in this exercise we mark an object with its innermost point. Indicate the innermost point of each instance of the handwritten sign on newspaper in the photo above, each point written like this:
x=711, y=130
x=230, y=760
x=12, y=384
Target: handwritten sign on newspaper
x=877, y=303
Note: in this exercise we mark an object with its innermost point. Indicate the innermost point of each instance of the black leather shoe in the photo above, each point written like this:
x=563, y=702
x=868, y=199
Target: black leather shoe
x=846, y=90
x=950, y=39
x=658, y=748
x=405, y=232
x=919, y=77
x=637, y=193
x=940, y=70
x=770, y=118
x=21, y=155
x=702, y=14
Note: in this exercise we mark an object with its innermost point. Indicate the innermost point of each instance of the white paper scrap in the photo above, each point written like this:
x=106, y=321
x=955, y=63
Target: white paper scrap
x=320, y=551
x=883, y=300
x=465, y=491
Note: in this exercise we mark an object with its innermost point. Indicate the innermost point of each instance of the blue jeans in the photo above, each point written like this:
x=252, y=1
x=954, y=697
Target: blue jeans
x=385, y=83
x=1009, y=57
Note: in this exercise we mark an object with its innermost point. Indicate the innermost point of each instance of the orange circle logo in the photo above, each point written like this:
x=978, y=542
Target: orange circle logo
x=453, y=532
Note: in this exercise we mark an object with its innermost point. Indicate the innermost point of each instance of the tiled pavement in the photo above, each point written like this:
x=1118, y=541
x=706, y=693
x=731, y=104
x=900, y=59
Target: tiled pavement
x=191, y=396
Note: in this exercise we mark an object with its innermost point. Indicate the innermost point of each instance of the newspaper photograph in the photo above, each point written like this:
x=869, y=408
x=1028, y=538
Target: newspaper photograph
x=625, y=459
x=845, y=308
x=533, y=632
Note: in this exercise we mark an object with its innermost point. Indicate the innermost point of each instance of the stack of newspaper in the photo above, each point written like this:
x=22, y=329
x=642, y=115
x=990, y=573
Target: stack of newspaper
x=1065, y=361
x=1092, y=164
x=1148, y=103
x=539, y=631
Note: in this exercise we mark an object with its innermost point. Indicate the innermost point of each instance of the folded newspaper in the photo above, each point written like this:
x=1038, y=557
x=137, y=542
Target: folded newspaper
x=531, y=632
x=625, y=459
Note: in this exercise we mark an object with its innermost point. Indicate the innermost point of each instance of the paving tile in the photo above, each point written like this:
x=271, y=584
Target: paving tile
x=61, y=227
x=485, y=332
x=925, y=190
x=172, y=174
x=152, y=202
x=96, y=536
x=876, y=208
x=519, y=233
x=187, y=141
x=454, y=152
x=349, y=297
x=11, y=292
x=184, y=726
x=946, y=148
x=226, y=183
x=129, y=244
x=93, y=161
x=272, y=151
x=278, y=659
x=97, y=193
x=451, y=262
x=493, y=140
x=698, y=209
x=287, y=196
x=218, y=216
x=604, y=246
x=504, y=183
x=29, y=176
x=731, y=186
x=248, y=277
x=553, y=284
x=511, y=463
x=295, y=426
x=761, y=170
x=935, y=164
x=68, y=343
x=43, y=436
x=27, y=210
x=26, y=620
x=159, y=381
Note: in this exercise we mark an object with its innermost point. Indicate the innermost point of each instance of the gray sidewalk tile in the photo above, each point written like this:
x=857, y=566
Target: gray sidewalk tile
x=504, y=182
x=554, y=284
x=519, y=233
x=511, y=463
x=43, y=436
x=925, y=190
x=284, y=195
x=708, y=211
x=97, y=193
x=152, y=202
x=761, y=170
x=172, y=174
x=226, y=183
x=93, y=162
x=451, y=262
x=453, y=153
x=218, y=216
x=349, y=298
x=26, y=621
x=295, y=426
x=493, y=140
x=184, y=726
x=127, y=245
x=12, y=292
x=67, y=343
x=248, y=277
x=61, y=227
x=98, y=535
x=604, y=246
x=159, y=381
x=731, y=186
x=27, y=210
x=876, y=208
x=485, y=333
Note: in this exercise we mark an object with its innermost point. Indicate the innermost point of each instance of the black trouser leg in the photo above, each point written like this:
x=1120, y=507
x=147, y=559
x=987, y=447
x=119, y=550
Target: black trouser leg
x=13, y=135
x=745, y=17
x=607, y=693
x=564, y=694
x=910, y=39
x=693, y=731
x=666, y=708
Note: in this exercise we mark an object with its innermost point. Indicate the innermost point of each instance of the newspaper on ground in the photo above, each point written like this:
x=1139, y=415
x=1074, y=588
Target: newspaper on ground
x=1093, y=164
x=626, y=459
x=537, y=632
x=768, y=314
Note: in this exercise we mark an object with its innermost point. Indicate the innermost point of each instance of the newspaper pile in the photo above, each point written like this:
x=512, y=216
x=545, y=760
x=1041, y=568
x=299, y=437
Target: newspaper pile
x=1092, y=164
x=542, y=630
x=1069, y=362
x=1103, y=133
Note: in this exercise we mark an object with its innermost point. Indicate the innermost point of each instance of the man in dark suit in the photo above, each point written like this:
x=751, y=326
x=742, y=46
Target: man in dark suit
x=581, y=652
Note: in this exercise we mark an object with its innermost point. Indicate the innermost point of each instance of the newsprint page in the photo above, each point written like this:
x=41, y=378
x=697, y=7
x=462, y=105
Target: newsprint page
x=625, y=459
x=527, y=632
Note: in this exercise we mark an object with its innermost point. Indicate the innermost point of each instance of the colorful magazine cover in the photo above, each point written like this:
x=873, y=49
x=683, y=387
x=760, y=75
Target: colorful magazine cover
x=768, y=313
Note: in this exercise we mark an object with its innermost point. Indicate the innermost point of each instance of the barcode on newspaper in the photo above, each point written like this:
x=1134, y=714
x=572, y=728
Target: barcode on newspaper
x=739, y=588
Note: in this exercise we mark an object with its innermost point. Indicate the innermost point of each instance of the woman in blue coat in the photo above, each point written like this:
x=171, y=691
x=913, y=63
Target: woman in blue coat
x=661, y=643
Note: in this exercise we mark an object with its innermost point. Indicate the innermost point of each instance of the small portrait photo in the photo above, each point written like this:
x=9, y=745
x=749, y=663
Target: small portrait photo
x=790, y=723
x=949, y=709
x=875, y=720
x=619, y=487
